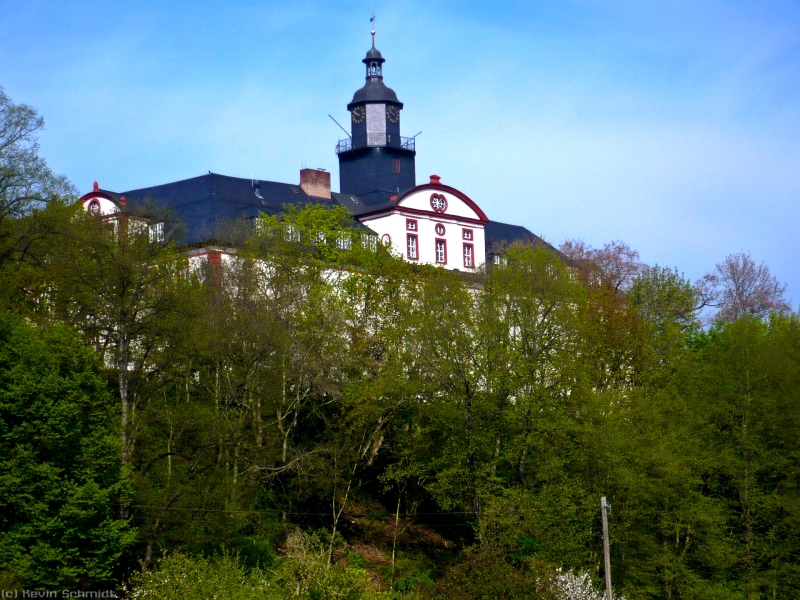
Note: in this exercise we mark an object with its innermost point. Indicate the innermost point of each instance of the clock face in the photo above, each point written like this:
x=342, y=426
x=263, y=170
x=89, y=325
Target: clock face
x=393, y=114
x=438, y=203
x=358, y=114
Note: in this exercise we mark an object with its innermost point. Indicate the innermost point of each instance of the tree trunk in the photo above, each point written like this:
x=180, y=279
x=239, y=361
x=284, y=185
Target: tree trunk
x=122, y=368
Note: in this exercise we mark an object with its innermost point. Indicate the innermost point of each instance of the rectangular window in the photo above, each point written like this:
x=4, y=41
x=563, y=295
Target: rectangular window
x=468, y=256
x=395, y=165
x=497, y=259
x=411, y=224
x=157, y=232
x=467, y=234
x=344, y=242
x=411, y=246
x=292, y=234
x=441, y=252
x=369, y=241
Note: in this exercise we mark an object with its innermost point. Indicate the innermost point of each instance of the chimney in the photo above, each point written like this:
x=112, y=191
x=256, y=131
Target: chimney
x=316, y=182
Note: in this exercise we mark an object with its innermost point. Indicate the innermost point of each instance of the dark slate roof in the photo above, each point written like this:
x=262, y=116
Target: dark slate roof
x=203, y=203
x=373, y=54
x=501, y=235
x=365, y=203
x=114, y=195
x=375, y=91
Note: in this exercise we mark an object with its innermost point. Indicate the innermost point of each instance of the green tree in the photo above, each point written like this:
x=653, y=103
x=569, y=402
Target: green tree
x=59, y=462
x=26, y=182
x=34, y=207
x=125, y=290
x=748, y=385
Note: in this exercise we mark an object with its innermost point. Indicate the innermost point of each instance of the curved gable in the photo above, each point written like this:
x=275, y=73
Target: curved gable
x=108, y=204
x=458, y=203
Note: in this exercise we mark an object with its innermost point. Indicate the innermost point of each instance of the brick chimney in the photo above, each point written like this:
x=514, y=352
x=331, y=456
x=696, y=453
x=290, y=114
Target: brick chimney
x=316, y=182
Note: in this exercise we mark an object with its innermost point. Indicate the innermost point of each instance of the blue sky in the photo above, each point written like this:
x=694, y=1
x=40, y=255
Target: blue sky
x=673, y=126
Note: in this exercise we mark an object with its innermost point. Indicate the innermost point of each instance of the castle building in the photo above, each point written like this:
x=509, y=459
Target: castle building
x=431, y=223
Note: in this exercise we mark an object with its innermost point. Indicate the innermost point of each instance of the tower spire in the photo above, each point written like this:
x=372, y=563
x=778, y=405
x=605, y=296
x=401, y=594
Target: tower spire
x=375, y=159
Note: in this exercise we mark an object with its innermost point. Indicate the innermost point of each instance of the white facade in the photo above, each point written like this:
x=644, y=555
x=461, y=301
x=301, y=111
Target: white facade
x=435, y=225
x=99, y=205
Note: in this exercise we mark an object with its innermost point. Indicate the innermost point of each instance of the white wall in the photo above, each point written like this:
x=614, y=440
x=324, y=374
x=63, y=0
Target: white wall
x=107, y=207
x=394, y=224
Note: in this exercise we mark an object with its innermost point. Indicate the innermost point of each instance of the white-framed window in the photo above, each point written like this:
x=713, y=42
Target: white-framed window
x=344, y=242
x=157, y=232
x=411, y=247
x=369, y=241
x=468, y=256
x=411, y=224
x=321, y=238
x=498, y=259
x=467, y=234
x=291, y=234
x=441, y=252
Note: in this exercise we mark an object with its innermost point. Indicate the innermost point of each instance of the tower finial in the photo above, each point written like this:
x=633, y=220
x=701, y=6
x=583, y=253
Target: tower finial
x=372, y=20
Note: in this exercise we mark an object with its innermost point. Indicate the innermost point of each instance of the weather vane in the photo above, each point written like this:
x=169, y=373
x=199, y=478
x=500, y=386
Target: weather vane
x=372, y=21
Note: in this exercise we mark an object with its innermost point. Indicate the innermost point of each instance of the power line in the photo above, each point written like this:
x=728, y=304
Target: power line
x=266, y=511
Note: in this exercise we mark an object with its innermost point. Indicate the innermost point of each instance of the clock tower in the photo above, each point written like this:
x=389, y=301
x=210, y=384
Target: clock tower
x=375, y=162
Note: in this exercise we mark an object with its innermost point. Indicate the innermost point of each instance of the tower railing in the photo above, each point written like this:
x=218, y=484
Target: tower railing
x=370, y=140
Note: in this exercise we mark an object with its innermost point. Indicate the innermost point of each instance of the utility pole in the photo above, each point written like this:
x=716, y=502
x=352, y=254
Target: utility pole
x=604, y=505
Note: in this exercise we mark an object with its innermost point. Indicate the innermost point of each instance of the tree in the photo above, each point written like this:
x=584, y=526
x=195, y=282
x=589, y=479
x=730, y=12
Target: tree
x=124, y=289
x=26, y=182
x=739, y=286
x=667, y=304
x=747, y=391
x=615, y=264
x=59, y=462
x=33, y=204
